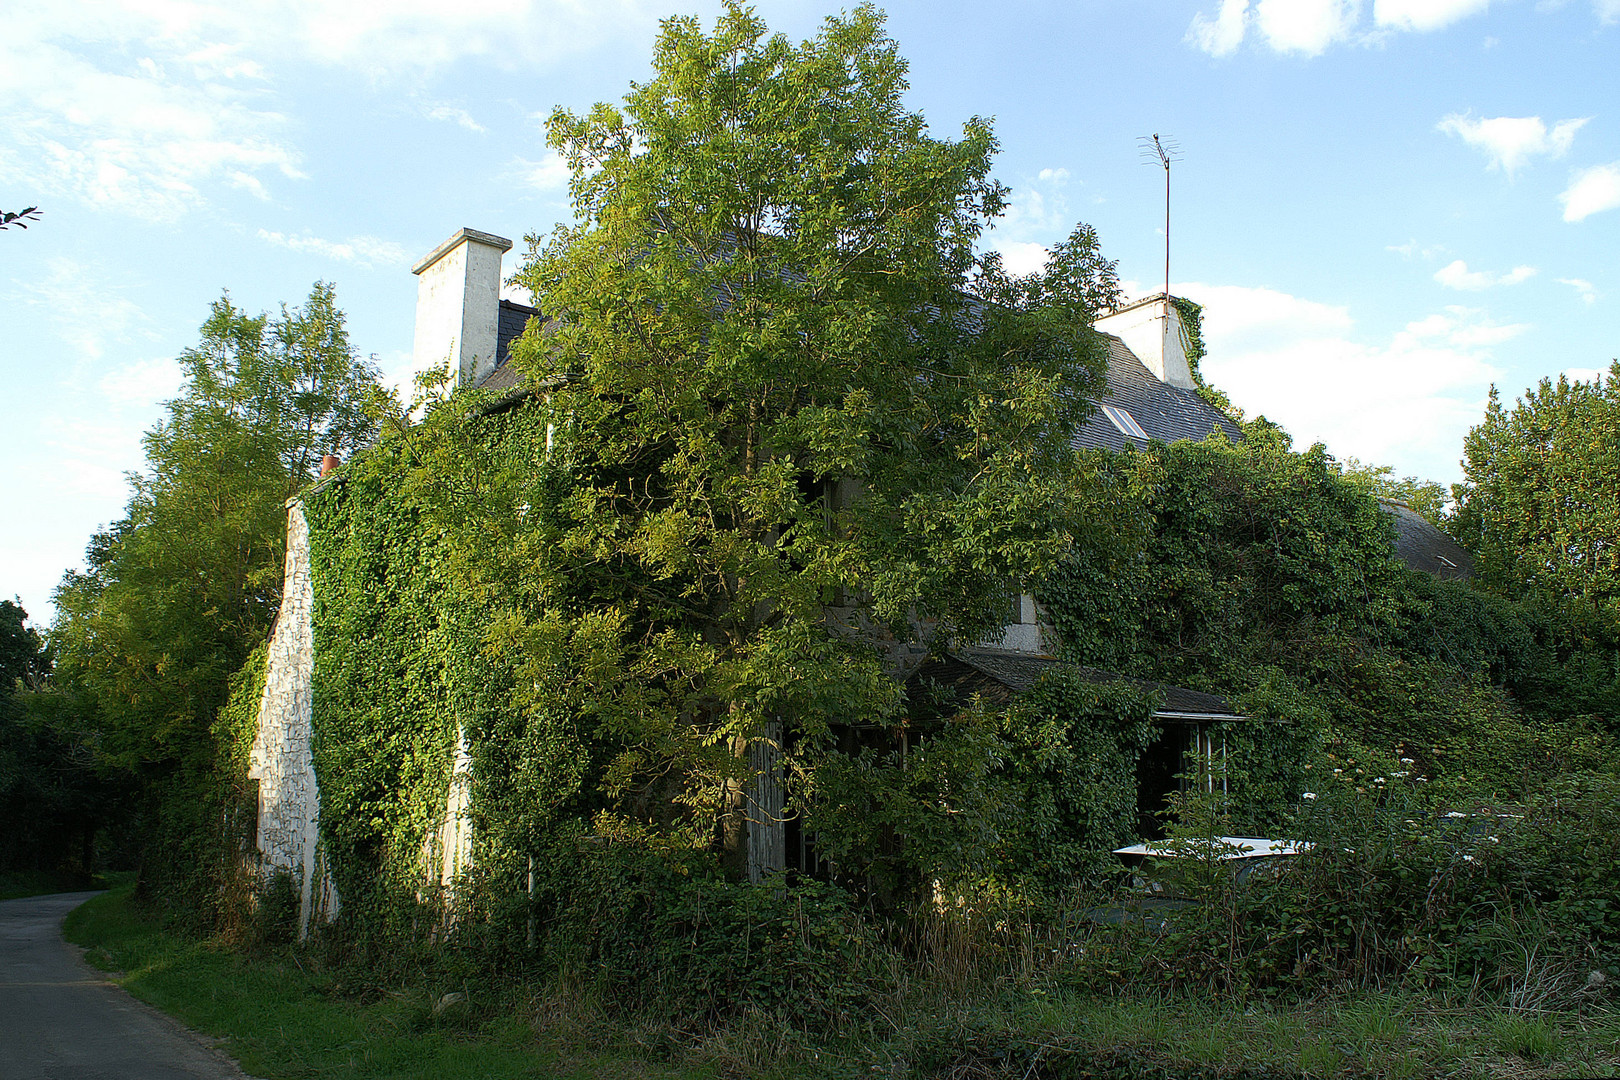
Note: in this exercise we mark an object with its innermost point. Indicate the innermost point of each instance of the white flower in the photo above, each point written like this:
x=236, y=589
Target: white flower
x=1468, y=858
x=1308, y=795
x=1407, y=761
x=1493, y=839
x=1336, y=772
x=1397, y=775
x=1379, y=780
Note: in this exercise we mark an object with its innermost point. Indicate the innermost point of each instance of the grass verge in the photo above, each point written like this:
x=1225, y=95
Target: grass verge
x=283, y=1017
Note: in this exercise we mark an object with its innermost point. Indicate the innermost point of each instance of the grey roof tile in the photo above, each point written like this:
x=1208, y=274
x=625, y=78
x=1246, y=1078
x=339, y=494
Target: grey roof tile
x=1423, y=547
x=1165, y=413
x=514, y=317
x=999, y=675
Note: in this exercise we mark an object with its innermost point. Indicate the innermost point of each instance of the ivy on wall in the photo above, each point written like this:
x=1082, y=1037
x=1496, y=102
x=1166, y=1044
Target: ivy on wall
x=1269, y=577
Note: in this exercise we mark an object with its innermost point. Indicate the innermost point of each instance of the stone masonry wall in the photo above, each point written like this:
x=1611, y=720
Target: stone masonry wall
x=280, y=760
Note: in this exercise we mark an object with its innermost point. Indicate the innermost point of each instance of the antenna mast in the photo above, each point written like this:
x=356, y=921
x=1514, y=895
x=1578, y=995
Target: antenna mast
x=1162, y=152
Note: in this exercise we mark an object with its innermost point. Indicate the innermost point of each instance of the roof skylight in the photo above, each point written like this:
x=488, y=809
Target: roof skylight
x=1125, y=422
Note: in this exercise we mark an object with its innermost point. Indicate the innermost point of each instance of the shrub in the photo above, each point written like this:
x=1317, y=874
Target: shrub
x=639, y=927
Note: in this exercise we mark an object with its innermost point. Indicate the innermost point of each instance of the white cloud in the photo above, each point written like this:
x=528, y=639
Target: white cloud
x=1511, y=141
x=1424, y=14
x=363, y=250
x=1310, y=27
x=141, y=106
x=1022, y=258
x=68, y=291
x=143, y=383
x=549, y=174
x=1412, y=249
x=1592, y=191
x=1224, y=33
x=129, y=137
x=1305, y=26
x=90, y=457
x=1037, y=210
x=1583, y=288
x=457, y=116
x=1406, y=401
x=1456, y=275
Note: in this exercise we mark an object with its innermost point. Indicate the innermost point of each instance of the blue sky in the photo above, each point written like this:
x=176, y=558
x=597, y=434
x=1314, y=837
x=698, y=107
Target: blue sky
x=1385, y=206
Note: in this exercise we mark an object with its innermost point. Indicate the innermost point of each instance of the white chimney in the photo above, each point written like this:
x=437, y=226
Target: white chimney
x=458, y=304
x=1152, y=330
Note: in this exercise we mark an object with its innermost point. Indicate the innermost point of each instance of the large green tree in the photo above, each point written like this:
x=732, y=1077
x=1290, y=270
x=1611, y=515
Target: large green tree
x=178, y=592
x=788, y=410
x=1539, y=505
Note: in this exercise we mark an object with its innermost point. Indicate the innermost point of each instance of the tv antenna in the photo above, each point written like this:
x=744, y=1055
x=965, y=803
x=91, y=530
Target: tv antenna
x=1161, y=152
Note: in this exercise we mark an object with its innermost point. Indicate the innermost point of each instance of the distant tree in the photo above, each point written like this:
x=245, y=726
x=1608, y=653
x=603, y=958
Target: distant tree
x=1428, y=497
x=22, y=654
x=178, y=592
x=53, y=799
x=1540, y=505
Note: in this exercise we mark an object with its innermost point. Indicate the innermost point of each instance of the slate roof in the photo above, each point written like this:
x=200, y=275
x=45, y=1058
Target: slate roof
x=1165, y=413
x=513, y=318
x=999, y=674
x=1424, y=547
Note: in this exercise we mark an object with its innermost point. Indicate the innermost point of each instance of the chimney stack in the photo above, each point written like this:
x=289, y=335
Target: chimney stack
x=1152, y=330
x=458, y=304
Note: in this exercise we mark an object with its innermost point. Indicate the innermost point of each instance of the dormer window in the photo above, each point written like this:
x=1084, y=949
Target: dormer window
x=1125, y=422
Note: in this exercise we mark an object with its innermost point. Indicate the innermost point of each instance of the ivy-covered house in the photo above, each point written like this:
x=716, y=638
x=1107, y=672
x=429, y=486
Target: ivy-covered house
x=323, y=641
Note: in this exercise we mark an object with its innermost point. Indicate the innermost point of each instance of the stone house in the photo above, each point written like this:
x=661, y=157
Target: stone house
x=1152, y=397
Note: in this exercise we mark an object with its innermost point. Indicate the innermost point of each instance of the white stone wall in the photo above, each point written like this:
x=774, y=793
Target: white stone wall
x=458, y=304
x=280, y=760
x=450, y=850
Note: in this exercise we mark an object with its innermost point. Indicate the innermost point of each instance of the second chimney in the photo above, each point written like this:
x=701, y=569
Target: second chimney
x=1152, y=330
x=458, y=304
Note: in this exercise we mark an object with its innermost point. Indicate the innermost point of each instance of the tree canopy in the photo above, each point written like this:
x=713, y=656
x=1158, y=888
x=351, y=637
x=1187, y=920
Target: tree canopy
x=788, y=409
x=1539, y=505
x=178, y=592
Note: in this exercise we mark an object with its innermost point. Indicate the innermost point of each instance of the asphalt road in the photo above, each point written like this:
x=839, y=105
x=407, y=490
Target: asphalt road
x=62, y=1019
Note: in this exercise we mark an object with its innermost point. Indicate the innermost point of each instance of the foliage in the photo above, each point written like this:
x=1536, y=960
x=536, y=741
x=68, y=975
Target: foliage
x=22, y=653
x=638, y=930
x=19, y=218
x=622, y=911
x=936, y=808
x=1538, y=506
x=1400, y=887
x=51, y=797
x=1249, y=546
x=179, y=591
x=385, y=718
x=1072, y=753
x=1270, y=577
x=768, y=395
x=1428, y=497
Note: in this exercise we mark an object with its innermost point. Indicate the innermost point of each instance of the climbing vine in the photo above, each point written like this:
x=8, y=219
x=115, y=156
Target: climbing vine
x=1269, y=577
